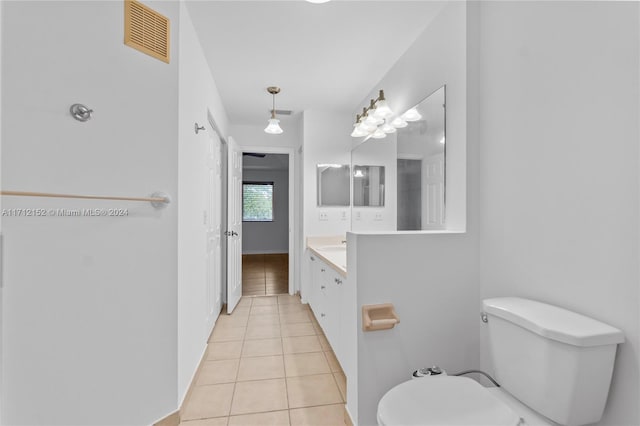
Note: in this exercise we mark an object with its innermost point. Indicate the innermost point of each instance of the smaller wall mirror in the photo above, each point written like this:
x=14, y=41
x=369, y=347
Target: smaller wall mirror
x=368, y=186
x=333, y=183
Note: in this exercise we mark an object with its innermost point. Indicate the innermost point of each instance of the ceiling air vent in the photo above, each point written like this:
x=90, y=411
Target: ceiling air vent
x=283, y=112
x=146, y=30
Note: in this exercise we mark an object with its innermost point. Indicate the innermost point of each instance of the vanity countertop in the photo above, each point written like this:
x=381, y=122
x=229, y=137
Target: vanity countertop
x=332, y=250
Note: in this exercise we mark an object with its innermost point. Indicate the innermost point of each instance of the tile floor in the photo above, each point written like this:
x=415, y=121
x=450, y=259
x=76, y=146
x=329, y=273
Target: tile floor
x=267, y=364
x=264, y=274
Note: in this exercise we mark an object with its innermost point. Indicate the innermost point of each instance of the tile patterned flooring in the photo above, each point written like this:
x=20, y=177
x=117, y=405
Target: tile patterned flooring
x=264, y=274
x=268, y=363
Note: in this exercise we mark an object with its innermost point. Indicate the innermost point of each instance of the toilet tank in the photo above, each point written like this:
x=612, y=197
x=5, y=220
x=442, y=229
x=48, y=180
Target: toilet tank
x=557, y=362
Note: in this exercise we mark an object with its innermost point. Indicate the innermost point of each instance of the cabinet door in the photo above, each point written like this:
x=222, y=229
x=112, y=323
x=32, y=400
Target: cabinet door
x=333, y=302
x=321, y=288
x=312, y=297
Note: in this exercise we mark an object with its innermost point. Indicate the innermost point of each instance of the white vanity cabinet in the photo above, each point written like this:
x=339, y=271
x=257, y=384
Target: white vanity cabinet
x=326, y=301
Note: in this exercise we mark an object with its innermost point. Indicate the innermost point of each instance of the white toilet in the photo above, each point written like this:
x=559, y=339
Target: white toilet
x=554, y=367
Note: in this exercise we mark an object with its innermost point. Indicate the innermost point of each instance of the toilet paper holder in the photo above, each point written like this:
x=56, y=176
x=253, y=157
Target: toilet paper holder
x=379, y=317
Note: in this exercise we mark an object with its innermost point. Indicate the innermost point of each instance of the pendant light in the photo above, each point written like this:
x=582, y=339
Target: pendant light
x=273, y=127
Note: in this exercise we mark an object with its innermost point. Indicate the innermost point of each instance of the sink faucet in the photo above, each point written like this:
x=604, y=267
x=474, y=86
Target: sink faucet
x=343, y=242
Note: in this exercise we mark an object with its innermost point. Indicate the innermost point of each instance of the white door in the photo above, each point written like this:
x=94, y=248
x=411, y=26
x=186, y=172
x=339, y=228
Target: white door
x=433, y=207
x=212, y=219
x=234, y=226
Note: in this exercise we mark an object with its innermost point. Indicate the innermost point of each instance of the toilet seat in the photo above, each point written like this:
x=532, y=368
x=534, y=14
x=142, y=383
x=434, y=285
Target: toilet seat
x=442, y=401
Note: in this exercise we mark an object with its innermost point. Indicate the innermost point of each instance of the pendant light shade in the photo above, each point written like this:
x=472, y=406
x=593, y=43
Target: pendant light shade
x=273, y=128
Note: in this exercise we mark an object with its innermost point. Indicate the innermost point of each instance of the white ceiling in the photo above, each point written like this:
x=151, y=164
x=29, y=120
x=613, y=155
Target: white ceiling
x=323, y=56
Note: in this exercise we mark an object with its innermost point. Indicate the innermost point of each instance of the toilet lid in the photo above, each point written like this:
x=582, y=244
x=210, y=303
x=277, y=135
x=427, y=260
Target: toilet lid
x=443, y=400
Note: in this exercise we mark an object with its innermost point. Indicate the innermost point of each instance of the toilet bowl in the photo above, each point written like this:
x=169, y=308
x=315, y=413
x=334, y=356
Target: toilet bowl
x=453, y=401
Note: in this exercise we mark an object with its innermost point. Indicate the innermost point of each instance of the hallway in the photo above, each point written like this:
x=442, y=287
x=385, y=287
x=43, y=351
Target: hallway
x=268, y=363
x=265, y=274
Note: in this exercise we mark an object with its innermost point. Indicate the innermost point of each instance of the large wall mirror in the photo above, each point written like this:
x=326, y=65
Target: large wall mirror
x=333, y=183
x=412, y=162
x=421, y=166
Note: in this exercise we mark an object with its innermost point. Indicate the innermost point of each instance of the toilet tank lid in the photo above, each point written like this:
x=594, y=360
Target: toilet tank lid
x=553, y=322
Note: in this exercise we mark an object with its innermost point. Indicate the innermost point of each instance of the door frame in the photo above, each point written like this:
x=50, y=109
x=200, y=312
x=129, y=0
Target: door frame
x=291, y=153
x=224, y=200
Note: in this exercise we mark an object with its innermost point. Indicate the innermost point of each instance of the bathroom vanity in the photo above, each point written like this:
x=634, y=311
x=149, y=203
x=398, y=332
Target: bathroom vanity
x=327, y=257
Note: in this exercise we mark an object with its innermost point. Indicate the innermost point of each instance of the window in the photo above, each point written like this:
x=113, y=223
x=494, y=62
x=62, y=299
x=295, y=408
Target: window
x=257, y=201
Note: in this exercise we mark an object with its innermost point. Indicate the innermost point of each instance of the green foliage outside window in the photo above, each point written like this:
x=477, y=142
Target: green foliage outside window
x=257, y=201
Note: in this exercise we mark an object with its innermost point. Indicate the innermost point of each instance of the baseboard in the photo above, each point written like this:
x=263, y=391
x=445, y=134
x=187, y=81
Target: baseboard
x=172, y=419
x=347, y=417
x=266, y=252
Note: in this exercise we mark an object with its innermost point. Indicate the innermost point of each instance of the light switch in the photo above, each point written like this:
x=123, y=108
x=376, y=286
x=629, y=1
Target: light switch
x=358, y=216
x=343, y=215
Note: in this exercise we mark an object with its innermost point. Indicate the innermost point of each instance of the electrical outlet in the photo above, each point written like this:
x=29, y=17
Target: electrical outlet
x=324, y=216
x=358, y=215
x=378, y=216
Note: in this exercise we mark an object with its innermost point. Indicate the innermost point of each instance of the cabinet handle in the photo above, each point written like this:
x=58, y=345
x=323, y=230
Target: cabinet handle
x=322, y=270
x=322, y=287
x=338, y=281
x=313, y=259
x=322, y=315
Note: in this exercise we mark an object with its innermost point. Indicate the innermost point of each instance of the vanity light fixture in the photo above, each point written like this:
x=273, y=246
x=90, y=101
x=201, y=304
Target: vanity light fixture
x=399, y=123
x=412, y=115
x=378, y=134
x=374, y=120
x=273, y=127
x=318, y=1
x=388, y=128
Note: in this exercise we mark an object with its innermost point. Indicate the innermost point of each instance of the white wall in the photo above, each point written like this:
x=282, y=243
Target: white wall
x=89, y=311
x=198, y=93
x=269, y=237
x=326, y=141
x=431, y=280
x=437, y=57
x=558, y=134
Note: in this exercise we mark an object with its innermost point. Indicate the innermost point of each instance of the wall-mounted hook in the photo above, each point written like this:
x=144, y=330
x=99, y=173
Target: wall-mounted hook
x=198, y=128
x=80, y=112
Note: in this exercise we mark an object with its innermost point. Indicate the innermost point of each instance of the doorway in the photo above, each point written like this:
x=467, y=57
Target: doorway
x=266, y=221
